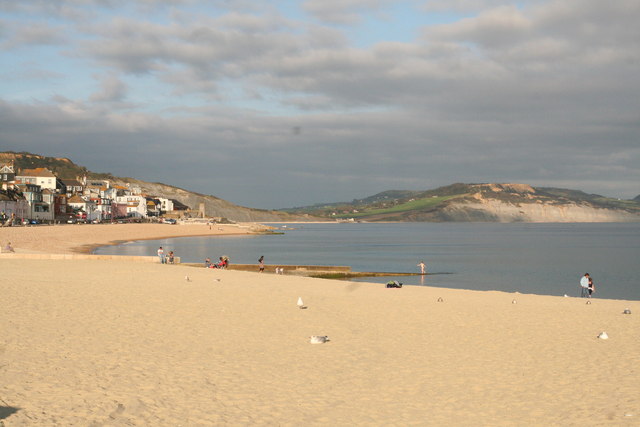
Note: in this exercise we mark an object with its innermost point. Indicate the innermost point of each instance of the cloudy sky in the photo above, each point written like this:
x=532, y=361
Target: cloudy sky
x=284, y=103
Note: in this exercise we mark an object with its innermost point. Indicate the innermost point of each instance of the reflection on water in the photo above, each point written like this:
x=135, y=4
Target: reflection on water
x=527, y=258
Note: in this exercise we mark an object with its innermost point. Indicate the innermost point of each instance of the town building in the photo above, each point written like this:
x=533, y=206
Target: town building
x=38, y=176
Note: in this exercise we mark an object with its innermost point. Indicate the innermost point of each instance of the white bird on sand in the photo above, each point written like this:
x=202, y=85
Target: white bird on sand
x=514, y=302
x=626, y=311
x=566, y=296
x=603, y=336
x=187, y=278
x=318, y=339
x=300, y=303
x=588, y=302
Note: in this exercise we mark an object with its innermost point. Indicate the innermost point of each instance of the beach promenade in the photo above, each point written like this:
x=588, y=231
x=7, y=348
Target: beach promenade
x=114, y=342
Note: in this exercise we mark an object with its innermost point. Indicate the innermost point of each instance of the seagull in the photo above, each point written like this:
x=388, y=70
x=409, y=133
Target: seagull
x=603, y=336
x=514, y=302
x=318, y=339
x=588, y=302
x=187, y=278
x=566, y=296
x=300, y=303
x=440, y=299
x=626, y=311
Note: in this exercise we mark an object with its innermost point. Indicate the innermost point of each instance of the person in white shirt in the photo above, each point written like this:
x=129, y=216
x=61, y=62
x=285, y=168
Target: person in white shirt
x=161, y=255
x=584, y=285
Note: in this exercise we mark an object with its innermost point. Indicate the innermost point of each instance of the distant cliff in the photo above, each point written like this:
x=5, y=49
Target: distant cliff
x=483, y=203
x=214, y=207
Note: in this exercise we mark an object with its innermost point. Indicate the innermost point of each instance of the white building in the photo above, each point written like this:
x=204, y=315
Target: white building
x=136, y=205
x=38, y=176
x=166, y=205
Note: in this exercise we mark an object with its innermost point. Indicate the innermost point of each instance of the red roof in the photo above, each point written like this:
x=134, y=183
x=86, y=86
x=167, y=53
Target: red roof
x=37, y=172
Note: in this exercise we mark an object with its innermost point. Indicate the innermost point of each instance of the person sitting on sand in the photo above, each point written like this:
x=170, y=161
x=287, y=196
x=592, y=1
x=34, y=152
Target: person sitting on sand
x=223, y=263
x=170, y=258
x=207, y=263
x=8, y=248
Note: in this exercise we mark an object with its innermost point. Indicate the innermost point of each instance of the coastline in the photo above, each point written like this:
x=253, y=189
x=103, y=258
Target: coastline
x=113, y=342
x=85, y=238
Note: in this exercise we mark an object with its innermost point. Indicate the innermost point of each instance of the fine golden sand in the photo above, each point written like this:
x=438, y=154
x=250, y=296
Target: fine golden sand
x=110, y=343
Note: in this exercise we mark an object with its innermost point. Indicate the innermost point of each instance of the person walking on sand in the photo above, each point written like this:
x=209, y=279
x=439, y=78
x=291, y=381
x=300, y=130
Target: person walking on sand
x=261, y=263
x=161, y=255
x=422, y=267
x=592, y=287
x=584, y=285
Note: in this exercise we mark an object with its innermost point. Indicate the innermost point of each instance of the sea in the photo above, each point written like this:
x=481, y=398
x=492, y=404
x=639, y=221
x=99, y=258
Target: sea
x=532, y=258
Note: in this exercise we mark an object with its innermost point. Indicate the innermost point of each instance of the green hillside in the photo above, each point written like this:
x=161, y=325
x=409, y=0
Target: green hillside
x=62, y=167
x=401, y=205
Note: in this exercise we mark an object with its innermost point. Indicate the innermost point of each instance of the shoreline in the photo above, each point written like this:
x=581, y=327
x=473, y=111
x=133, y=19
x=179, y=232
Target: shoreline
x=85, y=238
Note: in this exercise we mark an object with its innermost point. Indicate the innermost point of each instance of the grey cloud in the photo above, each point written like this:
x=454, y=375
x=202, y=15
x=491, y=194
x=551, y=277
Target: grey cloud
x=544, y=94
x=34, y=34
x=112, y=89
x=343, y=12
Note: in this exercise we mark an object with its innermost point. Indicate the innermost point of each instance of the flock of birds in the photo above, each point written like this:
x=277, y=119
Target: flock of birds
x=321, y=339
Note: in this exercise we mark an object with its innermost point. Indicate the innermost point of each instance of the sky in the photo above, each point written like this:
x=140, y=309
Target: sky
x=275, y=104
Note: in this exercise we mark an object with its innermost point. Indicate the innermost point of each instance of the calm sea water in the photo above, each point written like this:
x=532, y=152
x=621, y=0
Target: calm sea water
x=527, y=258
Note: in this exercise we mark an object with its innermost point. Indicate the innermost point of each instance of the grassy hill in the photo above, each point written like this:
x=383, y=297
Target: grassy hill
x=64, y=168
x=438, y=204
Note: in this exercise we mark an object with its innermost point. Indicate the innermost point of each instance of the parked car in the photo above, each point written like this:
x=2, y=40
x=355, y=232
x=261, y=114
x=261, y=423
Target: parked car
x=72, y=221
x=170, y=221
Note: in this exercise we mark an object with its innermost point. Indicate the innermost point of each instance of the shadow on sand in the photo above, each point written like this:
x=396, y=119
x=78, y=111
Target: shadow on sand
x=6, y=411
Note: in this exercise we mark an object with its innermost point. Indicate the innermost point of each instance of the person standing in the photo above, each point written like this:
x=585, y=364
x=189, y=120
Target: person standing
x=261, y=263
x=422, y=267
x=592, y=287
x=161, y=255
x=584, y=285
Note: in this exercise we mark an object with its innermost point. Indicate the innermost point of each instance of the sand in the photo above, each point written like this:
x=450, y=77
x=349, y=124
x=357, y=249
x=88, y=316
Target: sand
x=67, y=238
x=109, y=343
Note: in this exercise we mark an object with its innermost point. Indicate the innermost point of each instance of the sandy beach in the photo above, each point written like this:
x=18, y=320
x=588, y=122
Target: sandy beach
x=64, y=239
x=110, y=342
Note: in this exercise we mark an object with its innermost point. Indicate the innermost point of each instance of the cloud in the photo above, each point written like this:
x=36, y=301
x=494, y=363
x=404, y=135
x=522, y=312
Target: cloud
x=112, y=89
x=542, y=93
x=344, y=12
x=32, y=34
